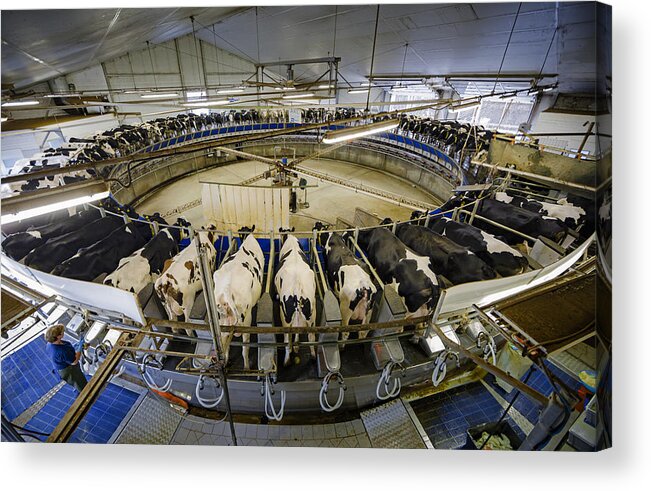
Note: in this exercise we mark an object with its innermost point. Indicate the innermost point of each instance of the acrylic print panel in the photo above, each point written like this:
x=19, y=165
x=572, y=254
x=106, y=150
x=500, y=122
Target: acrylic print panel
x=442, y=284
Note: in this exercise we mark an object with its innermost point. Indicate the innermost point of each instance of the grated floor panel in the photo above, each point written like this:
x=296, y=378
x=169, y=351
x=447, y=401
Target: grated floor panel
x=390, y=426
x=152, y=423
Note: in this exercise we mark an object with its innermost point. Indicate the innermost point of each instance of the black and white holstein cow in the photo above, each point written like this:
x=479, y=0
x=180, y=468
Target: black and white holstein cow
x=296, y=287
x=238, y=286
x=410, y=274
x=104, y=255
x=180, y=281
x=351, y=280
x=146, y=264
x=18, y=245
x=524, y=221
x=566, y=212
x=457, y=263
x=56, y=250
x=503, y=258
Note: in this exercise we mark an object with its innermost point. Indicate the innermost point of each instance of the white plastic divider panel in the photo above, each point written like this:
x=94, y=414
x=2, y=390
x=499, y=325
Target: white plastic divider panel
x=82, y=293
x=232, y=206
x=485, y=292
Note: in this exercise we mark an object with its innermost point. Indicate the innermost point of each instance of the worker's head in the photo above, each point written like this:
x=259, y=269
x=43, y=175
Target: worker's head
x=54, y=333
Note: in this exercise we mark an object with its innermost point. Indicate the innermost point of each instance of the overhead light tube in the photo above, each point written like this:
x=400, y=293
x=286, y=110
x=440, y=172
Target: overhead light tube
x=159, y=96
x=220, y=102
x=20, y=103
x=231, y=91
x=35, y=203
x=359, y=131
x=50, y=96
x=299, y=96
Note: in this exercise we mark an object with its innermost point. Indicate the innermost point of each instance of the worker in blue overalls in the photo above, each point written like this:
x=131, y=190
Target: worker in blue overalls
x=65, y=357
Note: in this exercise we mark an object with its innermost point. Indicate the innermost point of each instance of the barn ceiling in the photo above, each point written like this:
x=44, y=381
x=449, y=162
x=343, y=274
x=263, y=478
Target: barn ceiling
x=41, y=44
x=442, y=39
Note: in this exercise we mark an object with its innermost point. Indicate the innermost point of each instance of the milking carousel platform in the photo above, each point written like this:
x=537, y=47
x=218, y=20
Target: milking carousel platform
x=479, y=355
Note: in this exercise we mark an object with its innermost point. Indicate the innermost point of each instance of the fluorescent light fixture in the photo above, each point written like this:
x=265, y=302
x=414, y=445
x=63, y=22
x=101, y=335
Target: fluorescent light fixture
x=20, y=103
x=197, y=94
x=536, y=88
x=207, y=103
x=326, y=86
x=302, y=102
x=358, y=91
x=299, y=96
x=231, y=91
x=35, y=203
x=359, y=131
x=284, y=88
x=159, y=96
x=50, y=96
x=3, y=119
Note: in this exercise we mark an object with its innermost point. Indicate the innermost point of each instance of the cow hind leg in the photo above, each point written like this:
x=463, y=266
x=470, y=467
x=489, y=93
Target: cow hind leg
x=287, y=350
x=225, y=346
x=345, y=321
x=311, y=337
x=245, y=350
x=296, y=339
x=363, y=334
x=186, y=318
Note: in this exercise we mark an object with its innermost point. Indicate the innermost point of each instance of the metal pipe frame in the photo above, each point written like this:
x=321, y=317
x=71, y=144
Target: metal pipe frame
x=289, y=329
x=551, y=180
x=532, y=394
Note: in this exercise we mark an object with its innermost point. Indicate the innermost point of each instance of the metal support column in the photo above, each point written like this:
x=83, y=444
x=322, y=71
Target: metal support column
x=213, y=323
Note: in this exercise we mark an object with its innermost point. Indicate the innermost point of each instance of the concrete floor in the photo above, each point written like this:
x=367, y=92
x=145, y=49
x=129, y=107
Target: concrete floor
x=327, y=202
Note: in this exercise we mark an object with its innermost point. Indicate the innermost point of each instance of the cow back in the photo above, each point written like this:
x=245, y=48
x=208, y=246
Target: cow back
x=103, y=256
x=18, y=245
x=57, y=250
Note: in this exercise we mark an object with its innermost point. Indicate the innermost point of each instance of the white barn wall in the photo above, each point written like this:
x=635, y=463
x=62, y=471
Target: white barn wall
x=555, y=122
x=177, y=64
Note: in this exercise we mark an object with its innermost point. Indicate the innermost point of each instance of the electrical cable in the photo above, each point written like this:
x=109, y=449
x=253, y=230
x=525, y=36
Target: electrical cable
x=370, y=77
x=508, y=42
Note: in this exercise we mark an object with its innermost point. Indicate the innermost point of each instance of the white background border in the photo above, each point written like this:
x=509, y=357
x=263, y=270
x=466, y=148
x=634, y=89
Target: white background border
x=627, y=466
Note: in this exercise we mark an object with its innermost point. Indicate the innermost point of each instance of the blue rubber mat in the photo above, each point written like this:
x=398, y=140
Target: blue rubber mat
x=26, y=377
x=538, y=381
x=447, y=416
x=100, y=422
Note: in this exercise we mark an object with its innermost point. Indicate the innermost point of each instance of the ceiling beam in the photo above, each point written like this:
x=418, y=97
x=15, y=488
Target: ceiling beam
x=305, y=61
x=460, y=76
